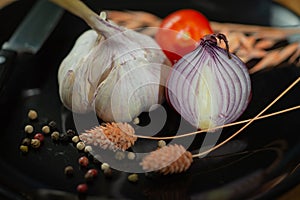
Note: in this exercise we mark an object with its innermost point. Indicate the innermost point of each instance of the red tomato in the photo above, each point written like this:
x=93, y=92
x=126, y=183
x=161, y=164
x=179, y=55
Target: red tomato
x=180, y=32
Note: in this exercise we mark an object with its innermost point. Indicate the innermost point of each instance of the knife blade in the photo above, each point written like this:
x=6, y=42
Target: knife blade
x=29, y=35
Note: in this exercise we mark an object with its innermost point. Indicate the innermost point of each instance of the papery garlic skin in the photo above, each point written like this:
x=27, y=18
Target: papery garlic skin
x=208, y=88
x=118, y=77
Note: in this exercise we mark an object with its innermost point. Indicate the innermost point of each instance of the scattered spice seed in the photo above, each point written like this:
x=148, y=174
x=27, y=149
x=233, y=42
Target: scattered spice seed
x=80, y=146
x=64, y=137
x=32, y=115
x=88, y=177
x=35, y=143
x=120, y=155
x=69, y=170
x=88, y=149
x=161, y=143
x=133, y=177
x=71, y=133
x=26, y=141
x=39, y=136
x=55, y=135
x=24, y=148
x=105, y=166
x=83, y=161
x=75, y=139
x=107, y=172
x=46, y=129
x=94, y=172
x=29, y=129
x=136, y=121
x=82, y=188
x=52, y=125
x=131, y=155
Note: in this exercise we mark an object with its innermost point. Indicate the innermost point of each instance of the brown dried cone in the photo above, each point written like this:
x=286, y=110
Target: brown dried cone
x=113, y=136
x=168, y=160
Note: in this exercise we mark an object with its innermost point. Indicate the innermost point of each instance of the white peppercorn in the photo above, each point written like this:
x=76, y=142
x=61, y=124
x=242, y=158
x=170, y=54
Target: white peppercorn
x=131, y=155
x=75, y=139
x=29, y=129
x=80, y=145
x=32, y=114
x=161, y=143
x=105, y=166
x=46, y=129
x=88, y=149
x=136, y=121
x=120, y=155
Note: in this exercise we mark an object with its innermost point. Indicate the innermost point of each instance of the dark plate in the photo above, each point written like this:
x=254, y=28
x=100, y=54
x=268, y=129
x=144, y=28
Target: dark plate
x=271, y=147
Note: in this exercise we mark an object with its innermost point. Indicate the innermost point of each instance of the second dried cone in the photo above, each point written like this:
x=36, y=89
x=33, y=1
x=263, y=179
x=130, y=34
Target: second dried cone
x=168, y=160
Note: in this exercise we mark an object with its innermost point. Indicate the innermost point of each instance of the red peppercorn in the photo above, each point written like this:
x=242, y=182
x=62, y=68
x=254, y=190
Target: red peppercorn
x=83, y=161
x=39, y=136
x=94, y=172
x=82, y=188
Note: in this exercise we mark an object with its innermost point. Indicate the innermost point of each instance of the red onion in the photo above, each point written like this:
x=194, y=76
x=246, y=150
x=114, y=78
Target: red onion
x=209, y=86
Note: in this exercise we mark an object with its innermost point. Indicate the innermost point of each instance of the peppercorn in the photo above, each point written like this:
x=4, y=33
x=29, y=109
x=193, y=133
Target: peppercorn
x=107, y=172
x=32, y=115
x=71, y=133
x=52, y=125
x=75, y=139
x=35, y=143
x=93, y=171
x=88, y=149
x=82, y=188
x=63, y=137
x=69, y=170
x=24, y=148
x=120, y=155
x=105, y=166
x=29, y=129
x=161, y=143
x=131, y=156
x=55, y=135
x=80, y=146
x=83, y=161
x=136, y=121
x=39, y=136
x=26, y=141
x=133, y=177
x=88, y=177
x=46, y=129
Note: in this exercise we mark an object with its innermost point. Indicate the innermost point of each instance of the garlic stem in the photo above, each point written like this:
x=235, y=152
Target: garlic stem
x=96, y=22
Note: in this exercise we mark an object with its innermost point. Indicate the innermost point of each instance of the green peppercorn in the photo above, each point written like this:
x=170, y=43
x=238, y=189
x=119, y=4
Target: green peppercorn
x=133, y=177
x=55, y=136
x=26, y=141
x=24, y=148
x=35, y=143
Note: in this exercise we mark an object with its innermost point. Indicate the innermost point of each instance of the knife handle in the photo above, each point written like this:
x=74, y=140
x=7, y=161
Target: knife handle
x=7, y=58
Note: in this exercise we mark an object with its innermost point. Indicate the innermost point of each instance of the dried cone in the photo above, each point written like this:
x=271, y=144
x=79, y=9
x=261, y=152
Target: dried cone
x=168, y=160
x=113, y=136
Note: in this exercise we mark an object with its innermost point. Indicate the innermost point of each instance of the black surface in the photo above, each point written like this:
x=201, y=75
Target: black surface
x=39, y=174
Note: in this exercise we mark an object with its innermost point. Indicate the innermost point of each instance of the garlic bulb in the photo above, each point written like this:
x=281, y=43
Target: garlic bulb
x=114, y=71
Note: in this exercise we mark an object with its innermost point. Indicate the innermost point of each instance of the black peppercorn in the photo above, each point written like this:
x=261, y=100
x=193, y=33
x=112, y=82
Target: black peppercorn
x=69, y=170
x=71, y=133
x=63, y=137
x=52, y=125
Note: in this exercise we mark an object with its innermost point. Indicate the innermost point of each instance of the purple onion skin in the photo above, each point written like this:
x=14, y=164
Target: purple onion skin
x=209, y=86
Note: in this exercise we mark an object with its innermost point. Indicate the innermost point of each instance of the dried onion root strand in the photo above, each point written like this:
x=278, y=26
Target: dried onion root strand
x=168, y=160
x=112, y=136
